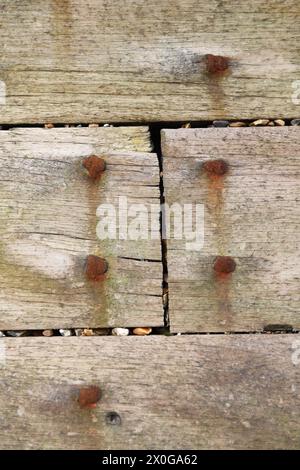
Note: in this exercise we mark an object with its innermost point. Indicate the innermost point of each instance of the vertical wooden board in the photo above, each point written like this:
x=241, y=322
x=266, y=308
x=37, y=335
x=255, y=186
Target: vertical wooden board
x=188, y=392
x=251, y=214
x=125, y=61
x=48, y=214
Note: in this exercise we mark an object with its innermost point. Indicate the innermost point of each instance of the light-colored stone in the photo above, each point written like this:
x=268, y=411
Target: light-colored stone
x=142, y=331
x=65, y=332
x=48, y=333
x=238, y=124
x=260, y=122
x=120, y=332
x=87, y=332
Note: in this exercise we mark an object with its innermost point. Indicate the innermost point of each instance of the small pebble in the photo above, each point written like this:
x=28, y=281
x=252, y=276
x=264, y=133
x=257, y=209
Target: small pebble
x=120, y=332
x=259, y=122
x=186, y=125
x=49, y=125
x=220, y=123
x=93, y=124
x=142, y=331
x=1, y=334
x=16, y=334
x=65, y=332
x=108, y=125
x=271, y=123
x=295, y=122
x=47, y=333
x=279, y=122
x=92, y=332
x=87, y=332
x=237, y=124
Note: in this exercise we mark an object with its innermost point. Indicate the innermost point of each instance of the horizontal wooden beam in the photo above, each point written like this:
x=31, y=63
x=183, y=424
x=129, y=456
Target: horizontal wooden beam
x=174, y=60
x=188, y=392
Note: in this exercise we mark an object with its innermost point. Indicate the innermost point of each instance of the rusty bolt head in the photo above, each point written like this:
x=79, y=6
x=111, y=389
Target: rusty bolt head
x=89, y=396
x=216, y=64
x=224, y=265
x=95, y=166
x=95, y=268
x=215, y=167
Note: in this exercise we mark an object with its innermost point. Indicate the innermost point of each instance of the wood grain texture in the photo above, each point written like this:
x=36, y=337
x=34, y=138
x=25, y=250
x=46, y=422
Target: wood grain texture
x=81, y=61
x=48, y=222
x=195, y=392
x=251, y=214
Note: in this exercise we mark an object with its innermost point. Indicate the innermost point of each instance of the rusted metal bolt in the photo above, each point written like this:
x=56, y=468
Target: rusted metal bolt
x=95, y=268
x=215, y=167
x=216, y=64
x=95, y=166
x=89, y=396
x=224, y=265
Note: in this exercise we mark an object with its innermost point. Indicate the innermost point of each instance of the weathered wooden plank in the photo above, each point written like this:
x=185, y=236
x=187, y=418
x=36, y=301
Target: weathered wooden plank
x=80, y=61
x=251, y=214
x=48, y=223
x=192, y=392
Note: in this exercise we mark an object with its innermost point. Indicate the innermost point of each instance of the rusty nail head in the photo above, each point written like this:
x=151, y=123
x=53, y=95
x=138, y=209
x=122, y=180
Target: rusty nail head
x=89, y=396
x=95, y=268
x=216, y=64
x=95, y=166
x=215, y=167
x=224, y=265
